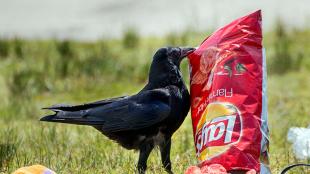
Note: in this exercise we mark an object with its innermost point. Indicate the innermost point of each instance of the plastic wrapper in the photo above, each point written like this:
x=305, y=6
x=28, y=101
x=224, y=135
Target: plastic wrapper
x=300, y=139
x=228, y=98
x=34, y=169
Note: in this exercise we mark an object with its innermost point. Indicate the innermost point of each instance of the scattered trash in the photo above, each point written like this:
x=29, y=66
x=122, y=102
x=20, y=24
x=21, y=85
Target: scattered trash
x=300, y=137
x=34, y=169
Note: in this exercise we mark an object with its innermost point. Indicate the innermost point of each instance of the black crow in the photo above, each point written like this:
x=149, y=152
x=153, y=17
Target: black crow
x=143, y=120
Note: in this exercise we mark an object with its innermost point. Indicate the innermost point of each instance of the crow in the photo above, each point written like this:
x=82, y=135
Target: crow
x=144, y=120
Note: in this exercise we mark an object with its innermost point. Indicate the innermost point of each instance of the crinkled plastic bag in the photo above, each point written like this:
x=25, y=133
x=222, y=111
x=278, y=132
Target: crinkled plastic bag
x=34, y=169
x=300, y=137
x=228, y=97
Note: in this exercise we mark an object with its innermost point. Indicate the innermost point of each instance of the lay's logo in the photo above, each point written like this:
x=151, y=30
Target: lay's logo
x=218, y=128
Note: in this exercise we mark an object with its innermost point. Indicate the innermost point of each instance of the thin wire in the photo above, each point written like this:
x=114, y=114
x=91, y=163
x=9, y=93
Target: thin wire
x=292, y=166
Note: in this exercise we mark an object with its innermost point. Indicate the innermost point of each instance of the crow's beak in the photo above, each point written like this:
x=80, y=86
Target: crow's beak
x=186, y=51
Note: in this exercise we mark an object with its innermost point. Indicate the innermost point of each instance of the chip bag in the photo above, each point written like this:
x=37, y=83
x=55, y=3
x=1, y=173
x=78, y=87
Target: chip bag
x=228, y=97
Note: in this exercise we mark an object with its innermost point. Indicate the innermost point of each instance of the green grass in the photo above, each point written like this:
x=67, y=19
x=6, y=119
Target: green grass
x=34, y=74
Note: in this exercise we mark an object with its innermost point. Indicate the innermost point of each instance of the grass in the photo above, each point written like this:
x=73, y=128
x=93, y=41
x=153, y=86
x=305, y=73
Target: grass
x=34, y=74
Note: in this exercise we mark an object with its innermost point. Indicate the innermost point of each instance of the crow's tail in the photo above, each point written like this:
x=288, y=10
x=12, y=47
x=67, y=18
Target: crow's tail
x=78, y=114
x=72, y=117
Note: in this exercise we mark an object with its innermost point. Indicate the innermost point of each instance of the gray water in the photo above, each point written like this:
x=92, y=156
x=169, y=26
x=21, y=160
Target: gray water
x=95, y=19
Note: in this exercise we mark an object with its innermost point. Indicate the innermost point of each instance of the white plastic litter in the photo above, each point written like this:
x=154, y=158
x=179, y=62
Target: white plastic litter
x=300, y=137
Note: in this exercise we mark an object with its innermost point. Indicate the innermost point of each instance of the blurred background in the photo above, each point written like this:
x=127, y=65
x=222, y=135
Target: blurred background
x=96, y=19
x=78, y=51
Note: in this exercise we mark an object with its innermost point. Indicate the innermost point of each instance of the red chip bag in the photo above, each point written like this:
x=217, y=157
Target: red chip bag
x=228, y=97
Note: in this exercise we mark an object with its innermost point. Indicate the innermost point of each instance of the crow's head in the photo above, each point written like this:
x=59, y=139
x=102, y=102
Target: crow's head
x=173, y=55
x=166, y=64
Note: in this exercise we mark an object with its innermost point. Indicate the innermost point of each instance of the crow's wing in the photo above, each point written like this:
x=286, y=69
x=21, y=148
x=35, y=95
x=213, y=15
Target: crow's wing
x=65, y=107
x=130, y=113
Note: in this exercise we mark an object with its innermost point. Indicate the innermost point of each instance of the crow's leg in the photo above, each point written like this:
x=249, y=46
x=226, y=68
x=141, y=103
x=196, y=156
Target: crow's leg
x=145, y=151
x=165, y=154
